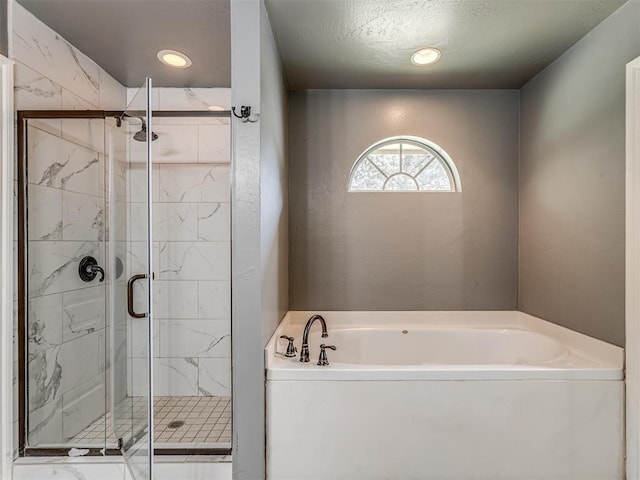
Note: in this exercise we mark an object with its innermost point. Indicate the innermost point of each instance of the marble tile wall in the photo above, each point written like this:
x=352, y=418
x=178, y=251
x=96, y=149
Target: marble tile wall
x=192, y=247
x=67, y=339
x=68, y=343
x=66, y=324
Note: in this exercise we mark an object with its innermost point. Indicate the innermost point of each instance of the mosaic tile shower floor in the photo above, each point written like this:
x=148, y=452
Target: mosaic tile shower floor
x=179, y=422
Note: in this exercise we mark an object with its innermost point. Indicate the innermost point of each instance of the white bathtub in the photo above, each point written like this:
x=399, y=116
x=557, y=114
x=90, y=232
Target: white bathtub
x=444, y=395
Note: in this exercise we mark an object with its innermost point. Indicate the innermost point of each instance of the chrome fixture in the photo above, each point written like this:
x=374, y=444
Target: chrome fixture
x=323, y=361
x=89, y=269
x=291, y=349
x=304, y=352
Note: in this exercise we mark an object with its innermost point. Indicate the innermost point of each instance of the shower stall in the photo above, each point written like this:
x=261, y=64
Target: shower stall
x=124, y=282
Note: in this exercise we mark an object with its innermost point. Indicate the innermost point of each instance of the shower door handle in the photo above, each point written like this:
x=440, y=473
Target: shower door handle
x=132, y=280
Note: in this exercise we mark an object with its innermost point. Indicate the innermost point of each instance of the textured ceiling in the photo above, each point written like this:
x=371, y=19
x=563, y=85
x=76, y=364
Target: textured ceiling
x=332, y=43
x=124, y=36
x=484, y=43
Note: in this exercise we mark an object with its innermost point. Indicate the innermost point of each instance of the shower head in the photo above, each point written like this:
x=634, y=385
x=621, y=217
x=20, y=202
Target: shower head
x=141, y=136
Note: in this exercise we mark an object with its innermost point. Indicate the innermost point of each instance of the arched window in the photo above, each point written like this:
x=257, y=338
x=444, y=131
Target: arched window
x=404, y=164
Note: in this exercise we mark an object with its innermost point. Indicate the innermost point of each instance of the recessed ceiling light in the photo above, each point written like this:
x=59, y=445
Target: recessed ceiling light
x=174, y=58
x=216, y=108
x=425, y=56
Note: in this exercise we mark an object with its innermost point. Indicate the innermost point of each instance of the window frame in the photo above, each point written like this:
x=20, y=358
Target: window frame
x=436, y=150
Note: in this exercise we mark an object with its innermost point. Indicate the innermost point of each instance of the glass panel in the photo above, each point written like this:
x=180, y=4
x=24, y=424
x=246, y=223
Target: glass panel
x=387, y=158
x=130, y=286
x=401, y=166
x=401, y=182
x=366, y=177
x=65, y=314
x=434, y=177
x=414, y=159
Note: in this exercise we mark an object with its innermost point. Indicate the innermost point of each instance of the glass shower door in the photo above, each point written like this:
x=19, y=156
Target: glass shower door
x=130, y=256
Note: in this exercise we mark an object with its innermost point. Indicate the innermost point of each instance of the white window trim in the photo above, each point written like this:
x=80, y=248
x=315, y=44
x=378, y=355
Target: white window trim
x=439, y=152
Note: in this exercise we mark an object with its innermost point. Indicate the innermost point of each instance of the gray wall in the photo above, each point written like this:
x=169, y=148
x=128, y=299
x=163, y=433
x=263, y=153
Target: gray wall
x=403, y=251
x=572, y=182
x=4, y=33
x=274, y=221
x=259, y=226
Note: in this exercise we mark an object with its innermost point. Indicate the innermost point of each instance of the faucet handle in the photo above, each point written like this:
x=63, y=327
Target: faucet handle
x=291, y=349
x=323, y=361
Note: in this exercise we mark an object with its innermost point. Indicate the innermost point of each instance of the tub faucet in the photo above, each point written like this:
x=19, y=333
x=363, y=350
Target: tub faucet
x=304, y=352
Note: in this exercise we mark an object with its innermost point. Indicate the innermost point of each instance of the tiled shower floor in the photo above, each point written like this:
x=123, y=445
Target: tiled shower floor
x=207, y=423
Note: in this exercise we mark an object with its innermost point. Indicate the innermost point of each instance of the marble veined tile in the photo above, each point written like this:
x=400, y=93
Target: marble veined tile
x=176, y=144
x=118, y=169
x=214, y=299
x=214, y=143
x=195, y=338
x=58, y=163
x=137, y=221
x=195, y=471
x=82, y=217
x=45, y=377
x=50, y=125
x=44, y=322
x=172, y=376
x=214, y=222
x=193, y=98
x=45, y=424
x=71, y=101
x=83, y=311
x=136, y=98
x=88, y=132
x=113, y=95
x=34, y=91
x=80, y=360
x=138, y=334
x=83, y=405
x=215, y=376
x=137, y=183
x=53, y=266
x=192, y=121
x=50, y=470
x=175, y=221
x=194, y=183
x=136, y=258
x=175, y=299
x=45, y=213
x=39, y=47
x=195, y=260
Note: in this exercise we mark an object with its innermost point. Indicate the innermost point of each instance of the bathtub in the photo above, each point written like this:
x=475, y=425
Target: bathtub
x=444, y=395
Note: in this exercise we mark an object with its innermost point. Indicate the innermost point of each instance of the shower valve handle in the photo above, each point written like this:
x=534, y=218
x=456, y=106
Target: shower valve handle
x=89, y=269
